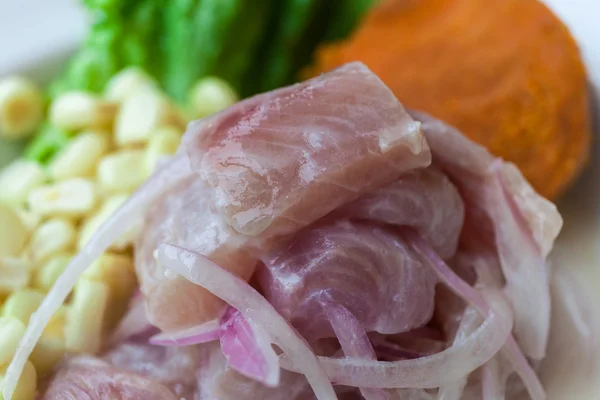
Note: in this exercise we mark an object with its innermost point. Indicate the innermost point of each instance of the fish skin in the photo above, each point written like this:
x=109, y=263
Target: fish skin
x=279, y=161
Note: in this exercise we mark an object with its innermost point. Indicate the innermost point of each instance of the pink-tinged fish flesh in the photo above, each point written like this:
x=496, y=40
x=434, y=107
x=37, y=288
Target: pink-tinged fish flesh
x=88, y=378
x=216, y=381
x=186, y=217
x=364, y=268
x=523, y=224
x=173, y=367
x=281, y=160
x=269, y=166
x=423, y=199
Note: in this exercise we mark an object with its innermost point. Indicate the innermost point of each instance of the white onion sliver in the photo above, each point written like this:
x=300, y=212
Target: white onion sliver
x=118, y=224
x=353, y=339
x=253, y=306
x=492, y=382
x=523, y=265
x=203, y=333
x=426, y=372
x=472, y=297
x=468, y=323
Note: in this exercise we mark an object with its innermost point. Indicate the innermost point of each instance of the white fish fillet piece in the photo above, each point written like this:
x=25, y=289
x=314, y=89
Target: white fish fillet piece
x=281, y=160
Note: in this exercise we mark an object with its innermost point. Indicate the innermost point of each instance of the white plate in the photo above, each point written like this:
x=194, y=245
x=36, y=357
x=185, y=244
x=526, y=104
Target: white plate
x=36, y=35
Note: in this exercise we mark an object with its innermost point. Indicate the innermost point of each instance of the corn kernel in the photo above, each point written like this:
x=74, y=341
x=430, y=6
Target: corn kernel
x=17, y=179
x=27, y=384
x=85, y=316
x=79, y=110
x=52, y=237
x=30, y=219
x=14, y=275
x=51, y=270
x=163, y=142
x=56, y=325
x=22, y=303
x=127, y=82
x=47, y=352
x=123, y=171
x=210, y=95
x=141, y=114
x=11, y=331
x=80, y=157
x=13, y=233
x=117, y=271
x=92, y=224
x=70, y=198
x=21, y=107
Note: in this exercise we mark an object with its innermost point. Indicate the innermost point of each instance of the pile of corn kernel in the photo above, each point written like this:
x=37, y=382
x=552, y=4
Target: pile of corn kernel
x=48, y=213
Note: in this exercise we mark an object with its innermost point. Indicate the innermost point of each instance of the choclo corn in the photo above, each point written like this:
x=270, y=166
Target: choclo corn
x=80, y=157
x=56, y=326
x=91, y=225
x=122, y=171
x=117, y=271
x=80, y=110
x=13, y=233
x=22, y=303
x=27, y=384
x=85, y=316
x=30, y=219
x=11, y=331
x=127, y=82
x=51, y=270
x=47, y=352
x=141, y=114
x=14, y=274
x=163, y=142
x=69, y=198
x=210, y=95
x=53, y=236
x=17, y=179
x=21, y=107
x=82, y=173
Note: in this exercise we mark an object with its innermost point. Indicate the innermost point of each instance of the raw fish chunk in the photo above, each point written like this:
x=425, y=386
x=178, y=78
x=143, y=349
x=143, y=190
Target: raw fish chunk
x=366, y=269
x=281, y=160
x=93, y=379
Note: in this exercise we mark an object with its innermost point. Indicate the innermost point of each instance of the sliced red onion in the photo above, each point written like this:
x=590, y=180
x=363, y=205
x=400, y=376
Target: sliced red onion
x=243, y=344
x=239, y=294
x=474, y=298
x=130, y=214
x=353, y=339
x=248, y=349
x=203, y=333
x=427, y=372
